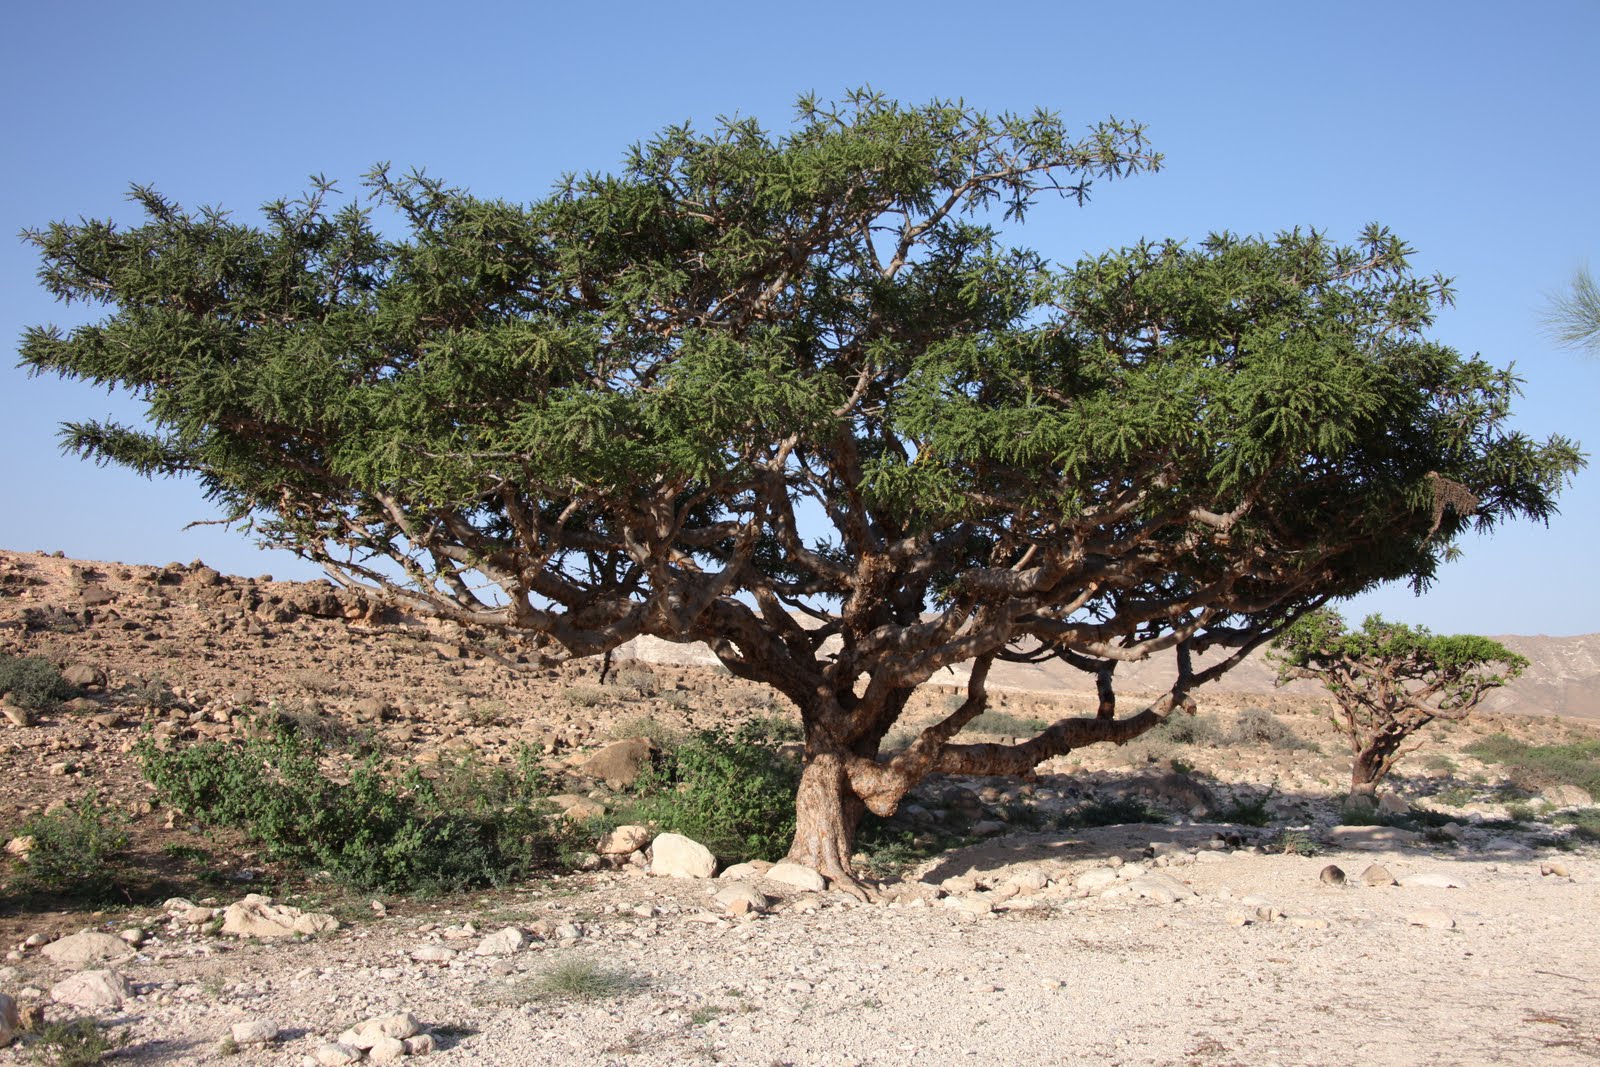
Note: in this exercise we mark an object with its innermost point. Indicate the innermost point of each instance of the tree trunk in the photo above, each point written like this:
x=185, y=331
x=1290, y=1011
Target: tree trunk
x=1365, y=773
x=827, y=813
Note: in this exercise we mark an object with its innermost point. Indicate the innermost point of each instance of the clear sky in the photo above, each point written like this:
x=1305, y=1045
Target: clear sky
x=1468, y=128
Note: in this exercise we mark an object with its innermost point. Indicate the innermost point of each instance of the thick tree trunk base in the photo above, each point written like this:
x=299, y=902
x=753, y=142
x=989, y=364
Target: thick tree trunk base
x=827, y=814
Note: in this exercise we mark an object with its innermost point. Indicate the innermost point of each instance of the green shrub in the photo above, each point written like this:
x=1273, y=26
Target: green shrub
x=32, y=682
x=73, y=1043
x=1536, y=767
x=1249, y=811
x=74, y=850
x=1258, y=726
x=730, y=790
x=1184, y=729
x=1297, y=843
x=375, y=831
x=581, y=980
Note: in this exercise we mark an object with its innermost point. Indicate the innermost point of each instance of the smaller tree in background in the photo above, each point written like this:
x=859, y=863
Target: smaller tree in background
x=1389, y=681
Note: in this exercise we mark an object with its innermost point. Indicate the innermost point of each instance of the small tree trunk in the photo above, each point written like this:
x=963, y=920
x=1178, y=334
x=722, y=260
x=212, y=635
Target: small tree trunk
x=1365, y=773
x=827, y=813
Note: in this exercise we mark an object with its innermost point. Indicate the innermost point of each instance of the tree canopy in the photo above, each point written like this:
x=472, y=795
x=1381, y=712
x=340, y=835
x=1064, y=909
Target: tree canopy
x=1390, y=680
x=793, y=395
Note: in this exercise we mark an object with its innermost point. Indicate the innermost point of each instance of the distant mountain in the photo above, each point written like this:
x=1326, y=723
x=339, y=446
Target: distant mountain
x=1563, y=676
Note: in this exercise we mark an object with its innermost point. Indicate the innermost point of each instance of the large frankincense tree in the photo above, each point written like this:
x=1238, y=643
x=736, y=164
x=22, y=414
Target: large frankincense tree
x=791, y=395
x=1389, y=680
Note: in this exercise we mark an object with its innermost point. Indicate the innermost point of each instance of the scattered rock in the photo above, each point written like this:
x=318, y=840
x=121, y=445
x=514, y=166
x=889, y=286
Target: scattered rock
x=1393, y=804
x=1332, y=874
x=83, y=674
x=365, y=1035
x=333, y=1054
x=1096, y=878
x=578, y=809
x=1161, y=888
x=258, y=916
x=503, y=942
x=741, y=899
x=254, y=1032
x=81, y=950
x=676, y=856
x=1377, y=875
x=433, y=954
x=97, y=990
x=387, y=1050
x=623, y=840
x=1431, y=918
x=619, y=763
x=750, y=869
x=1556, y=870
x=798, y=875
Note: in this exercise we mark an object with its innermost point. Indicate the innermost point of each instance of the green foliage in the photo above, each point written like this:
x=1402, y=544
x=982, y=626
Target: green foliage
x=375, y=831
x=32, y=682
x=1249, y=810
x=73, y=1043
x=74, y=852
x=729, y=790
x=1536, y=767
x=579, y=980
x=1574, y=317
x=1297, y=843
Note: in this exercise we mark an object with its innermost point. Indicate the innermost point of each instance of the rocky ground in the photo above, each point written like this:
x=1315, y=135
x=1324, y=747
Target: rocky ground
x=1193, y=942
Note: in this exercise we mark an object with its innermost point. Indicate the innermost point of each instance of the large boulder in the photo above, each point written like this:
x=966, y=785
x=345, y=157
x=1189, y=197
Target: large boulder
x=10, y=1019
x=676, y=856
x=798, y=875
x=99, y=990
x=258, y=916
x=624, y=840
x=87, y=948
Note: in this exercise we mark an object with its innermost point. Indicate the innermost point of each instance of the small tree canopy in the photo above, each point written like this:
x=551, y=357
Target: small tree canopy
x=791, y=395
x=1390, y=680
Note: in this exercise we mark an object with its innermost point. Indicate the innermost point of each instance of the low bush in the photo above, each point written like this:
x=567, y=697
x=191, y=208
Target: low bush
x=74, y=852
x=1249, y=810
x=73, y=1043
x=1258, y=726
x=1184, y=729
x=33, y=682
x=376, y=831
x=1536, y=767
x=731, y=790
x=1005, y=723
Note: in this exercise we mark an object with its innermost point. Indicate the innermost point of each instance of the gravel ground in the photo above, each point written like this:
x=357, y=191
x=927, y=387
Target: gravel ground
x=1338, y=973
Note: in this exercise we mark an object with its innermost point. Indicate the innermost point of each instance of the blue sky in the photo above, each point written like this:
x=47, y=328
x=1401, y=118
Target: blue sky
x=1467, y=129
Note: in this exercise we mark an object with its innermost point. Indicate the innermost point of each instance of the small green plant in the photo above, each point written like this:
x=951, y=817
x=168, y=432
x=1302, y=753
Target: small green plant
x=636, y=681
x=730, y=790
x=1249, y=810
x=658, y=733
x=1536, y=767
x=582, y=980
x=74, y=852
x=1441, y=763
x=586, y=696
x=1297, y=843
x=33, y=683
x=73, y=1043
x=705, y=1013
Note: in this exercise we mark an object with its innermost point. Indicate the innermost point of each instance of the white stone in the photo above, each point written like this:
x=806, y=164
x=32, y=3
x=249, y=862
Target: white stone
x=623, y=840
x=398, y=1026
x=751, y=869
x=433, y=954
x=740, y=898
x=254, y=1032
x=503, y=942
x=798, y=875
x=676, y=856
x=99, y=990
x=335, y=1054
x=1098, y=878
x=258, y=916
x=81, y=950
x=387, y=1050
x=1162, y=888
